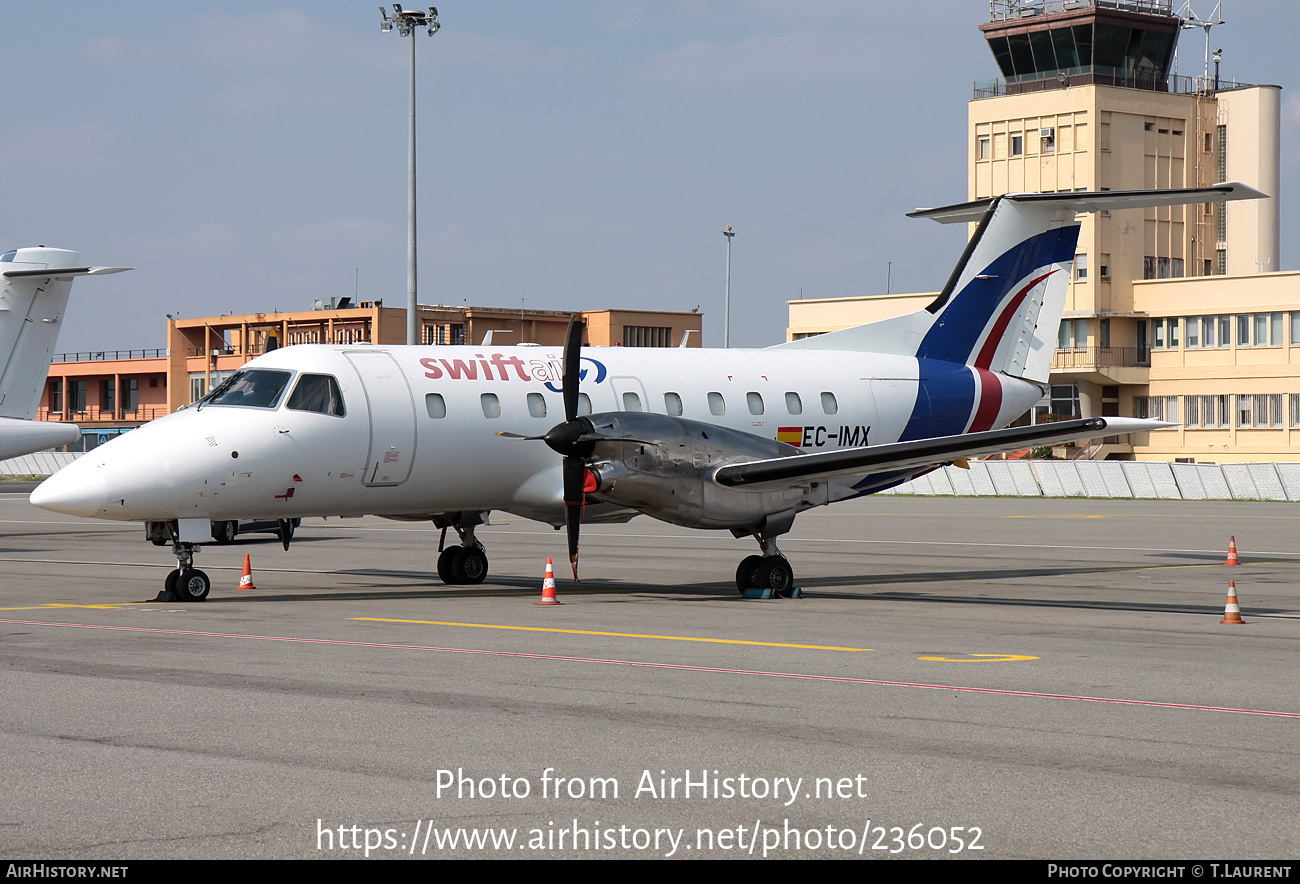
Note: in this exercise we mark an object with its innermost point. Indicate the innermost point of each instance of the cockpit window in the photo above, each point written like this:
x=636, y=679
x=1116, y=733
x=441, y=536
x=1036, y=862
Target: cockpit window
x=8, y=257
x=319, y=393
x=258, y=388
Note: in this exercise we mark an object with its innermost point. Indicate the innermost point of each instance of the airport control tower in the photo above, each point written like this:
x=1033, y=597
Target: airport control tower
x=1089, y=98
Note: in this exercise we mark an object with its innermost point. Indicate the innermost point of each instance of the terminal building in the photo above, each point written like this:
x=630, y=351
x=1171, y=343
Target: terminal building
x=1175, y=313
x=109, y=392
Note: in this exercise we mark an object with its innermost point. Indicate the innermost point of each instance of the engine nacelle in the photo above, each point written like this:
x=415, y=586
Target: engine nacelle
x=663, y=466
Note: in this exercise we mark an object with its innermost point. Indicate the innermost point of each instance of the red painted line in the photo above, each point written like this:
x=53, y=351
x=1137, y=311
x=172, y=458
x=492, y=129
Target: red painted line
x=674, y=666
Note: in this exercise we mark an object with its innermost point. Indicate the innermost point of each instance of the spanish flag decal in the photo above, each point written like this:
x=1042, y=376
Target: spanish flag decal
x=790, y=435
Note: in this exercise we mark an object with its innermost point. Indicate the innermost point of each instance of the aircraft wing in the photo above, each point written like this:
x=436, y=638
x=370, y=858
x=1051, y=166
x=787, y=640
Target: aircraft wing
x=921, y=453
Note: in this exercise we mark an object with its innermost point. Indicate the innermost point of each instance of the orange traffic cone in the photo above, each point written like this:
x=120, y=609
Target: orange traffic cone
x=1231, y=612
x=1232, y=552
x=246, y=581
x=548, y=587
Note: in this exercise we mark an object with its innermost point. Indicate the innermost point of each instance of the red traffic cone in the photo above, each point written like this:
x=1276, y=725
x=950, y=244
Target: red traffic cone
x=246, y=581
x=1232, y=552
x=1231, y=612
x=548, y=587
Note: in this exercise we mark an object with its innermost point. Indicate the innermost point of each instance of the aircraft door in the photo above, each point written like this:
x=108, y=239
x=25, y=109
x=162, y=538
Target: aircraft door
x=392, y=417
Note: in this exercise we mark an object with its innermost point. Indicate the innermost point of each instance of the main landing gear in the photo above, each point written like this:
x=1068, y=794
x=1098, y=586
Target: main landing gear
x=466, y=564
x=771, y=570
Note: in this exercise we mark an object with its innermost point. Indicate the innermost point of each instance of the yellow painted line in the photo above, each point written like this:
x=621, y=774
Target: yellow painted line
x=63, y=605
x=980, y=658
x=675, y=638
x=1062, y=516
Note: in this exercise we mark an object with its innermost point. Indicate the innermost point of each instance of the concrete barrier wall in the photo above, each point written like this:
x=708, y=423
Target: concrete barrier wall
x=1111, y=479
x=42, y=463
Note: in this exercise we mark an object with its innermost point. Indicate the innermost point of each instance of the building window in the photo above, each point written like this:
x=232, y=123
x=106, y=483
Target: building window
x=1103, y=334
x=1103, y=266
x=1017, y=145
x=1081, y=267
x=131, y=393
x=983, y=148
x=108, y=395
x=646, y=336
x=56, y=396
x=1149, y=267
x=1064, y=401
x=1193, y=331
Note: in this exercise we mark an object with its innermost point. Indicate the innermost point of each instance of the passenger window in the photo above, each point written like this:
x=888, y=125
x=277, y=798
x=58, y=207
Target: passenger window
x=755, y=401
x=717, y=405
x=673, y=402
x=793, y=403
x=631, y=402
x=319, y=393
x=829, y=405
x=537, y=405
x=584, y=403
x=435, y=405
x=491, y=405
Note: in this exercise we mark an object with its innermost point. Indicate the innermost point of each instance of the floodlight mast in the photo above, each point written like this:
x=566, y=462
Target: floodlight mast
x=407, y=21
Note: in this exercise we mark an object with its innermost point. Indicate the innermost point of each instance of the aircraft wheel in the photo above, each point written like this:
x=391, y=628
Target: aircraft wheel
x=776, y=574
x=225, y=532
x=747, y=573
x=191, y=585
x=445, y=559
x=469, y=566
x=170, y=583
x=286, y=530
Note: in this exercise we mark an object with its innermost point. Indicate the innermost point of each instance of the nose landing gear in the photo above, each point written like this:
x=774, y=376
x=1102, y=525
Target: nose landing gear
x=186, y=583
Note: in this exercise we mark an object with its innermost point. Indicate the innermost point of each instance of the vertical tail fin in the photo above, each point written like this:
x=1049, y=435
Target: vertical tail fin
x=34, y=296
x=1002, y=305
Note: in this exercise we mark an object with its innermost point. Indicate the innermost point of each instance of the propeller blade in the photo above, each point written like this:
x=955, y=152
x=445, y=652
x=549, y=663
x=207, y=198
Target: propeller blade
x=519, y=436
x=575, y=476
x=570, y=366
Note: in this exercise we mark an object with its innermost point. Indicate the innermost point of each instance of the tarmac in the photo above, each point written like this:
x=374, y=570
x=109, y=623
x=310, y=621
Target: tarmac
x=965, y=677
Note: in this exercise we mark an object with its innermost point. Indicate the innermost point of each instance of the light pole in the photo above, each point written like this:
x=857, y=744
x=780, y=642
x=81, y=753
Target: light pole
x=407, y=21
x=726, y=304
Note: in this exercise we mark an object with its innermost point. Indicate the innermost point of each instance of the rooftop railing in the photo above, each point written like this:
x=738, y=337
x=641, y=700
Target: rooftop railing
x=1011, y=10
x=104, y=355
x=1099, y=75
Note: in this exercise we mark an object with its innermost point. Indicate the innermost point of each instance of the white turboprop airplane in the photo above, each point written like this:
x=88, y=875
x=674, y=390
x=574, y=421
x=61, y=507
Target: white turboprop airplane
x=37, y=283
x=742, y=440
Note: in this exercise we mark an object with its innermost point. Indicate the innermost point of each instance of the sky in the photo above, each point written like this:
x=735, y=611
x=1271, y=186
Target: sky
x=572, y=155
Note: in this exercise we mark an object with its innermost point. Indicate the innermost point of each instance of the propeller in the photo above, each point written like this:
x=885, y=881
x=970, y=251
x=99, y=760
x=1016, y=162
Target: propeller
x=569, y=439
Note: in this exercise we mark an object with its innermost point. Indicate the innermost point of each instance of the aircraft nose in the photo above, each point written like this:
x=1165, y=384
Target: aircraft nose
x=72, y=491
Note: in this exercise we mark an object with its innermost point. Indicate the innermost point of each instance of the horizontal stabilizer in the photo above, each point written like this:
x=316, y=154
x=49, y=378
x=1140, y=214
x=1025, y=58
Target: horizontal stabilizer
x=921, y=453
x=66, y=272
x=1097, y=201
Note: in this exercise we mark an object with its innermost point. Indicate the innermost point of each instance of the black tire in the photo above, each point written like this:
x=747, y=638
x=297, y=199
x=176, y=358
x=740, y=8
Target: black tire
x=445, y=559
x=286, y=531
x=192, y=585
x=225, y=532
x=470, y=566
x=777, y=575
x=169, y=584
x=747, y=573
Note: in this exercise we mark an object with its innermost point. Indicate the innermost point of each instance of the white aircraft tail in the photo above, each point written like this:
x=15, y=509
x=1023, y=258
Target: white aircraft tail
x=36, y=286
x=1002, y=305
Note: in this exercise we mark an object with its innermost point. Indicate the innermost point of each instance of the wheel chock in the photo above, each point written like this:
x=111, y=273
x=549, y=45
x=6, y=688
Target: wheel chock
x=755, y=592
x=165, y=596
x=796, y=593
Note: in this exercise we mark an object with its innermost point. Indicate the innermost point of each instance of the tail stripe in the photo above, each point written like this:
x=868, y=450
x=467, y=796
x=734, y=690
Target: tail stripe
x=985, y=358
x=959, y=326
x=990, y=401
